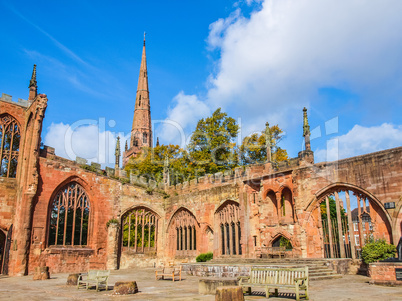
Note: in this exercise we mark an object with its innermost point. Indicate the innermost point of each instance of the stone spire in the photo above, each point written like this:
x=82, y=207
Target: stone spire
x=157, y=141
x=117, y=154
x=268, y=141
x=306, y=130
x=141, y=131
x=33, y=87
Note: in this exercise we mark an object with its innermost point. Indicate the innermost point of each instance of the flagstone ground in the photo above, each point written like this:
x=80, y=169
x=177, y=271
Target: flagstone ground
x=350, y=287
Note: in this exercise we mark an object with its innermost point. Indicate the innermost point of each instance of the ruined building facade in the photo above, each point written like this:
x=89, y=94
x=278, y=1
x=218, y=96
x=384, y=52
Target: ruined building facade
x=54, y=212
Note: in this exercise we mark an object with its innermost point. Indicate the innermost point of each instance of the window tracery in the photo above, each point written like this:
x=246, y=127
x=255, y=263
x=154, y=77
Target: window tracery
x=10, y=137
x=140, y=230
x=69, y=216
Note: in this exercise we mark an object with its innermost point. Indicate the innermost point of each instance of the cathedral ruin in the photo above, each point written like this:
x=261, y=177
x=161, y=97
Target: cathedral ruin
x=53, y=212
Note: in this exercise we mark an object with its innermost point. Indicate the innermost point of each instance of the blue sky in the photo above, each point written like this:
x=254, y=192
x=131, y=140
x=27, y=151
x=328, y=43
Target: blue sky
x=258, y=60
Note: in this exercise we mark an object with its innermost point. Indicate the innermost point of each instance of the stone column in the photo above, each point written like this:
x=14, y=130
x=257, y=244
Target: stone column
x=331, y=247
x=112, y=246
x=340, y=232
x=351, y=229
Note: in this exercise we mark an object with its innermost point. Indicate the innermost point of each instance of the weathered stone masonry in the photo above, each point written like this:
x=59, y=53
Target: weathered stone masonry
x=233, y=214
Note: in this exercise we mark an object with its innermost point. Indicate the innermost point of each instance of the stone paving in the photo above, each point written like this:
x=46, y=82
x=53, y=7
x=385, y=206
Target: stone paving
x=350, y=287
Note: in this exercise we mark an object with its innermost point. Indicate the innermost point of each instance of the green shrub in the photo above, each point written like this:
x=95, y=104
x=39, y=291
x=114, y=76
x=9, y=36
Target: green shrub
x=112, y=221
x=379, y=249
x=203, y=257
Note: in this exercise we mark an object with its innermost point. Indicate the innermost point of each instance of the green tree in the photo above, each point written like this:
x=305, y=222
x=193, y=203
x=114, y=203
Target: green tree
x=332, y=209
x=149, y=163
x=253, y=149
x=212, y=148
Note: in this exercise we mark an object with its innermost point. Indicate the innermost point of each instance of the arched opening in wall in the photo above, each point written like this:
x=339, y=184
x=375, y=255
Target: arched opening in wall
x=69, y=216
x=2, y=249
x=228, y=218
x=273, y=202
x=139, y=230
x=282, y=241
x=184, y=233
x=144, y=138
x=10, y=137
x=350, y=218
x=286, y=206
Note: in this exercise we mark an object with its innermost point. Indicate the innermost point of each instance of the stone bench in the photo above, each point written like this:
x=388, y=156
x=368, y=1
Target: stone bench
x=208, y=286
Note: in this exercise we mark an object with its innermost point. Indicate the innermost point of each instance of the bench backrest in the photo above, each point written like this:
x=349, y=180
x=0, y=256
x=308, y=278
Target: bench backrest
x=276, y=275
x=92, y=274
x=172, y=270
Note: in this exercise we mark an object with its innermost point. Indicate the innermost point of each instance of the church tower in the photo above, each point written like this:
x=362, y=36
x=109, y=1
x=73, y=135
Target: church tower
x=141, y=131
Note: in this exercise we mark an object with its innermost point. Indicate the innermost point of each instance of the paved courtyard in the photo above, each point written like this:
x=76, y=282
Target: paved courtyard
x=24, y=288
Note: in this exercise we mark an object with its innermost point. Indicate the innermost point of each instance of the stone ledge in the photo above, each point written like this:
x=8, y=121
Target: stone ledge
x=76, y=251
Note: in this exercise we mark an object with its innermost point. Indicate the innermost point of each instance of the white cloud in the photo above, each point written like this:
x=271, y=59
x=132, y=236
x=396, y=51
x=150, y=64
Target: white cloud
x=86, y=139
x=273, y=63
x=182, y=118
x=361, y=140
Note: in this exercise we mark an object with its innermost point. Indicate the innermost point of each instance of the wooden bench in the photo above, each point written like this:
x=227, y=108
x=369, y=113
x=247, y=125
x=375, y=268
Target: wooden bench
x=277, y=278
x=168, y=272
x=97, y=278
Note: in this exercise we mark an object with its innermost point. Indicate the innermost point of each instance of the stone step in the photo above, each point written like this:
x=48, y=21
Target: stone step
x=322, y=273
x=325, y=277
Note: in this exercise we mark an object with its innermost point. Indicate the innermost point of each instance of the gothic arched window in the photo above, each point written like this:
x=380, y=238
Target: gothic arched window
x=144, y=138
x=186, y=231
x=69, y=216
x=9, y=146
x=139, y=230
x=228, y=216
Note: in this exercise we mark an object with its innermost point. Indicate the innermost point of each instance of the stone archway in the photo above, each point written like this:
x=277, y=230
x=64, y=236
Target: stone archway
x=349, y=216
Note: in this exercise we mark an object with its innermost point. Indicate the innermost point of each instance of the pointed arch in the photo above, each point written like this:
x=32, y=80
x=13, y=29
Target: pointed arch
x=184, y=232
x=139, y=230
x=228, y=221
x=10, y=137
x=344, y=231
x=277, y=237
x=69, y=215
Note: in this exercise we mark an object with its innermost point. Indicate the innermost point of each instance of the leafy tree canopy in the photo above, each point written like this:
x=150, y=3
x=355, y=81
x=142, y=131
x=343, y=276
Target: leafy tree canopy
x=212, y=146
x=212, y=149
x=253, y=149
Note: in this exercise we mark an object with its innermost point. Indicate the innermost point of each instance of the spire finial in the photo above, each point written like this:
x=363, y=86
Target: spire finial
x=144, y=37
x=33, y=87
x=306, y=127
x=32, y=82
x=306, y=131
x=268, y=141
x=117, y=153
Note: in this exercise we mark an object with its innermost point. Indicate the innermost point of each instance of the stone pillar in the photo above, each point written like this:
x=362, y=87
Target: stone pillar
x=112, y=246
x=351, y=229
x=340, y=231
x=331, y=247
